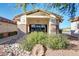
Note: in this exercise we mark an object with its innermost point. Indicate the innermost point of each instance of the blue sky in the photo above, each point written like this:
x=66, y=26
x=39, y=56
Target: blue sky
x=9, y=10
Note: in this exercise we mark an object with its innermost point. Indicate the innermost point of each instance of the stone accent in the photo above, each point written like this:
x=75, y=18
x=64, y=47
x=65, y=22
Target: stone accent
x=21, y=30
x=22, y=27
x=52, y=26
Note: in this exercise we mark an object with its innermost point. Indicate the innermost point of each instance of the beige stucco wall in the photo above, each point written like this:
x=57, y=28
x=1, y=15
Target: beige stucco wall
x=21, y=24
x=24, y=27
x=7, y=27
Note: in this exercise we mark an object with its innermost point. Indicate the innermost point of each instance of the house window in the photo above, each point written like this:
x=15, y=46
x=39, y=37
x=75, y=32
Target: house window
x=22, y=20
x=52, y=21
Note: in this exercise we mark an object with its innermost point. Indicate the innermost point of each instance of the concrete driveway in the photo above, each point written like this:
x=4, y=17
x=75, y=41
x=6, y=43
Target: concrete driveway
x=10, y=39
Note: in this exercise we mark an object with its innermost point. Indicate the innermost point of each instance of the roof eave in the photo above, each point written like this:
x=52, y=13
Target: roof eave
x=58, y=16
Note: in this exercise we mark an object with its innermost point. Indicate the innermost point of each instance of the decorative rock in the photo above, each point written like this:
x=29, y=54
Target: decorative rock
x=10, y=54
x=13, y=50
x=38, y=50
x=23, y=53
x=15, y=45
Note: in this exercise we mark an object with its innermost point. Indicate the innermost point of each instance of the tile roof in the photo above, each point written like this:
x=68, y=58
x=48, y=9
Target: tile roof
x=2, y=19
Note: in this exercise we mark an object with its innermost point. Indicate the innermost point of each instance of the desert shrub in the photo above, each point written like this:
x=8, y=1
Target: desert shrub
x=34, y=38
x=58, y=41
x=52, y=41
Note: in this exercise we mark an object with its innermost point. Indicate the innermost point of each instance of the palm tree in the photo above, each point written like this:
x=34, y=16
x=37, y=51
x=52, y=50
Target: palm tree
x=23, y=6
x=66, y=8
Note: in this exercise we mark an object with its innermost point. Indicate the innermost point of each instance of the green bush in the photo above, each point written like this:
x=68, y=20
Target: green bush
x=58, y=41
x=53, y=41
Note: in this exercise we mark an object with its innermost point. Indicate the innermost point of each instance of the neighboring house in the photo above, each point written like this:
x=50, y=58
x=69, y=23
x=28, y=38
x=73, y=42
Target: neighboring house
x=75, y=26
x=66, y=30
x=38, y=20
x=6, y=27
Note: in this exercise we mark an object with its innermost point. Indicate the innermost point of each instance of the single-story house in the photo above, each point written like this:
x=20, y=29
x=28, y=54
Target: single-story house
x=37, y=20
x=75, y=25
x=6, y=27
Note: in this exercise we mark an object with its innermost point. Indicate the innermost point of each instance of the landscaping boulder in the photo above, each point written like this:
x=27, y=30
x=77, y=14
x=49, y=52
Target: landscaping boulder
x=38, y=50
